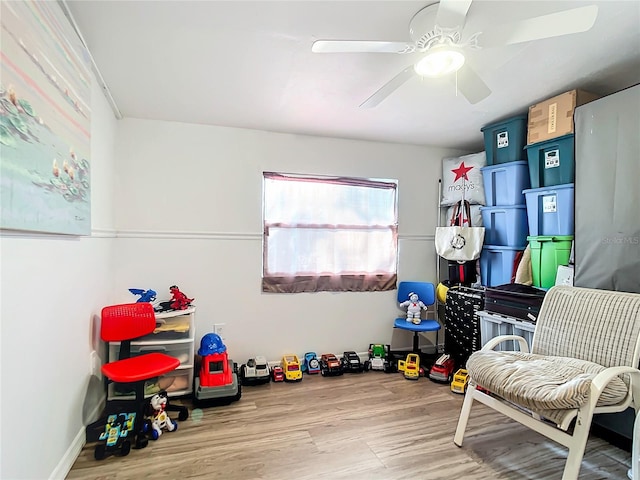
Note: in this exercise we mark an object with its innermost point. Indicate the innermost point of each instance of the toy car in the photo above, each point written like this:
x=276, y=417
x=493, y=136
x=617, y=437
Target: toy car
x=115, y=435
x=351, y=362
x=217, y=381
x=311, y=363
x=442, y=371
x=277, y=374
x=379, y=358
x=291, y=367
x=255, y=371
x=410, y=367
x=330, y=365
x=460, y=381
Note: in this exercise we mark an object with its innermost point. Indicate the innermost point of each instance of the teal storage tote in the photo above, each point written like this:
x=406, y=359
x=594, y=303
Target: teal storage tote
x=505, y=225
x=504, y=141
x=504, y=183
x=550, y=210
x=551, y=162
x=547, y=253
x=498, y=264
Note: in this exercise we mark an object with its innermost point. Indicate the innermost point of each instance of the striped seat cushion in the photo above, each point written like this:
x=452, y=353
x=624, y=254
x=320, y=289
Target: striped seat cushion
x=540, y=382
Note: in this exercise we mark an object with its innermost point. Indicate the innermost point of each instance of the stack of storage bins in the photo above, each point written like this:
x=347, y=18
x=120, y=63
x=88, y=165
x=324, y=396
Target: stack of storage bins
x=505, y=216
x=550, y=201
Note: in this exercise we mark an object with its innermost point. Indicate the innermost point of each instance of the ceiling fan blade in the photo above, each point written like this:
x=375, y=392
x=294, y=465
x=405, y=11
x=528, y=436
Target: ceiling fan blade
x=388, y=88
x=566, y=22
x=471, y=85
x=360, y=46
x=452, y=13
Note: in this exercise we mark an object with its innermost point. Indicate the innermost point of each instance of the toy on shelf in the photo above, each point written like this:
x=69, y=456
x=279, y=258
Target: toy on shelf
x=380, y=358
x=145, y=295
x=410, y=367
x=158, y=418
x=311, y=364
x=277, y=374
x=351, y=362
x=179, y=301
x=255, y=371
x=217, y=380
x=460, y=381
x=330, y=365
x=115, y=435
x=291, y=367
x=414, y=308
x=442, y=371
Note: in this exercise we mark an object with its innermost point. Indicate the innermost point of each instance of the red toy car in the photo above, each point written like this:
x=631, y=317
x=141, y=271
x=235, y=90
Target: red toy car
x=330, y=365
x=217, y=380
x=277, y=374
x=443, y=369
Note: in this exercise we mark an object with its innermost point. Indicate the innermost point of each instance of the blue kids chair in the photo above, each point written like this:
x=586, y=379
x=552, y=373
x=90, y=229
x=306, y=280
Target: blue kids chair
x=426, y=294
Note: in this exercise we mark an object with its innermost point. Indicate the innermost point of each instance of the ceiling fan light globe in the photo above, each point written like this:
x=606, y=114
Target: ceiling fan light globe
x=439, y=62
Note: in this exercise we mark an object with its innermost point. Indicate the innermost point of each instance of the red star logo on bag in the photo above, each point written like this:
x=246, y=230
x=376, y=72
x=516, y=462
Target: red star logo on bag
x=461, y=172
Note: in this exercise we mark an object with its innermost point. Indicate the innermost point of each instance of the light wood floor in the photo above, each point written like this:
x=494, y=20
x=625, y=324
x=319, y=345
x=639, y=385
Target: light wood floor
x=372, y=426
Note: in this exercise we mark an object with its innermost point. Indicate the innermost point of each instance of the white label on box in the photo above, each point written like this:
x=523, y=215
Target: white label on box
x=503, y=139
x=552, y=158
x=549, y=204
x=564, y=275
x=553, y=115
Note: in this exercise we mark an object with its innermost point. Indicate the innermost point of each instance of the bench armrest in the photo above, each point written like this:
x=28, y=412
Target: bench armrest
x=495, y=341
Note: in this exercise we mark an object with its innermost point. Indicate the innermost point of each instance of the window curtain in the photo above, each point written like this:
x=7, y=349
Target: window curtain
x=329, y=234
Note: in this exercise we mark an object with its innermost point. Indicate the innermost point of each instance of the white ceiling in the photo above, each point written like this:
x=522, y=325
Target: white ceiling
x=249, y=64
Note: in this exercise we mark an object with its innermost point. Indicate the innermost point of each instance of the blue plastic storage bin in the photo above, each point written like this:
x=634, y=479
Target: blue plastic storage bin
x=505, y=141
x=550, y=210
x=505, y=225
x=551, y=162
x=503, y=184
x=497, y=264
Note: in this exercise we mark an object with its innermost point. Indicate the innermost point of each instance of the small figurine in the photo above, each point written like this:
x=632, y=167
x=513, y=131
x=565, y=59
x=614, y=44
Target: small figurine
x=179, y=301
x=145, y=295
x=159, y=419
x=414, y=306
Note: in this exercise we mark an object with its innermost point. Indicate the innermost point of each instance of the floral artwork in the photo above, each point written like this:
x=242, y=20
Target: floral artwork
x=45, y=87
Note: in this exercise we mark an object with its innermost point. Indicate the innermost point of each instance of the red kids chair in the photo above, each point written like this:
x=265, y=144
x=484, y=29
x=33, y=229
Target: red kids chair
x=124, y=323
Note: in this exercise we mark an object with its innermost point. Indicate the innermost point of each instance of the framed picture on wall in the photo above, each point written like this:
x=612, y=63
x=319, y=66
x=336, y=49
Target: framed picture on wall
x=45, y=121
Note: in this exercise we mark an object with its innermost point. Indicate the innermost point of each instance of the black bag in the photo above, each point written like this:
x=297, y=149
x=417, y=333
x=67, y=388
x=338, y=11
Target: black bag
x=515, y=300
x=462, y=273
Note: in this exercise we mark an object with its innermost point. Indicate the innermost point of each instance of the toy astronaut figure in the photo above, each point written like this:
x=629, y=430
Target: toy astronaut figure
x=414, y=307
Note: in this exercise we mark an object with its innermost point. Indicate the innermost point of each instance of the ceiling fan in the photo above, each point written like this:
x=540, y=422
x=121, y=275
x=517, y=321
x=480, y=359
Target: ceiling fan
x=436, y=32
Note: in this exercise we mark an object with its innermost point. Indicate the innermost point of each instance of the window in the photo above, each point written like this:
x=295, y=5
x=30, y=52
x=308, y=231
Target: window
x=329, y=234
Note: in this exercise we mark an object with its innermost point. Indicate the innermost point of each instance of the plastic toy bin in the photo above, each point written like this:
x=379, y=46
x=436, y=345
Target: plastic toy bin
x=493, y=325
x=550, y=210
x=547, y=253
x=505, y=226
x=180, y=350
x=504, y=183
x=504, y=141
x=497, y=264
x=551, y=162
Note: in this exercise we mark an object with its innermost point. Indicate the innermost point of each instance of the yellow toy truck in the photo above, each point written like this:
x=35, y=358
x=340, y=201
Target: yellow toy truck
x=410, y=367
x=460, y=380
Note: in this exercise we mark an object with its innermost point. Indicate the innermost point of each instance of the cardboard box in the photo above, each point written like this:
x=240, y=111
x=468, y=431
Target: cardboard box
x=554, y=117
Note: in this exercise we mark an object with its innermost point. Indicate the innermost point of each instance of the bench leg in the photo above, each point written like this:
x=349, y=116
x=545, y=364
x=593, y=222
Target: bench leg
x=576, y=449
x=464, y=415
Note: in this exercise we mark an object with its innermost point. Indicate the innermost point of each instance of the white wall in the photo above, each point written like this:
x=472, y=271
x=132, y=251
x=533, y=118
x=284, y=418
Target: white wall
x=51, y=289
x=189, y=213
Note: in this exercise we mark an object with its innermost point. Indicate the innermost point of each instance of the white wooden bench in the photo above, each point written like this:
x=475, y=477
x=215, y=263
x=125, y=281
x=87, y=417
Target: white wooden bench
x=583, y=361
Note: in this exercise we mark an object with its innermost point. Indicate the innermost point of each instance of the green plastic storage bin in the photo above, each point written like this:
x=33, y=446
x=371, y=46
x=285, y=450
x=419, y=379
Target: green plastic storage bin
x=505, y=141
x=551, y=162
x=547, y=253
